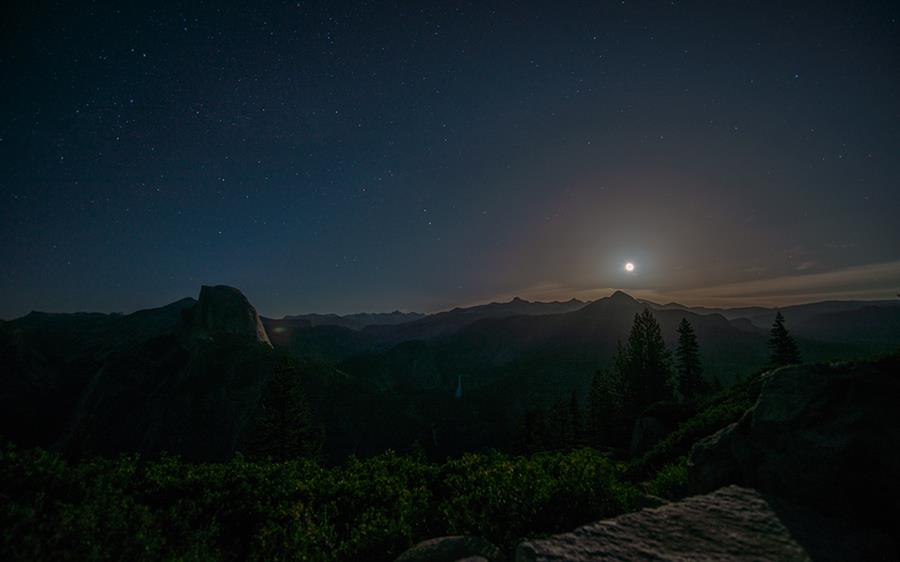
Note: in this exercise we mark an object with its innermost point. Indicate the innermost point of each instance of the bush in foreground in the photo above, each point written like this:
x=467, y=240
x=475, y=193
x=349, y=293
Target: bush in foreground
x=372, y=509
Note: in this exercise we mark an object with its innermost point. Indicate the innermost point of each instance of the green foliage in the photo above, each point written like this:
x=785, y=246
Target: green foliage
x=373, y=509
x=641, y=375
x=688, y=366
x=51, y=510
x=782, y=345
x=509, y=498
x=671, y=481
x=719, y=411
x=645, y=364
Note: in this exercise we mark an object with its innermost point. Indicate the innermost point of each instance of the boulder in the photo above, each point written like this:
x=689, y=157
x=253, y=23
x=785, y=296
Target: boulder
x=732, y=523
x=452, y=549
x=824, y=436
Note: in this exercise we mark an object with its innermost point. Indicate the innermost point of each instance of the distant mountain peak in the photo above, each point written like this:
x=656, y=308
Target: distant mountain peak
x=621, y=296
x=221, y=309
x=617, y=300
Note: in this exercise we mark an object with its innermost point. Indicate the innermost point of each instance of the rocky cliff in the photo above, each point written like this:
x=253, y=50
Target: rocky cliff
x=225, y=310
x=826, y=436
x=191, y=391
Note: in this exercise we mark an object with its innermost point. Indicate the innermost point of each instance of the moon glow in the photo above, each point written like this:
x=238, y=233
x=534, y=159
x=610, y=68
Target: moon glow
x=629, y=267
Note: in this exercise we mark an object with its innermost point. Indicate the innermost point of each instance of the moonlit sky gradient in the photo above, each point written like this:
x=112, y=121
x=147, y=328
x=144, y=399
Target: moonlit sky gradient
x=328, y=156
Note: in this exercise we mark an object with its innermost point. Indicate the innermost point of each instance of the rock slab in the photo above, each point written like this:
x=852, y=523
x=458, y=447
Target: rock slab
x=733, y=523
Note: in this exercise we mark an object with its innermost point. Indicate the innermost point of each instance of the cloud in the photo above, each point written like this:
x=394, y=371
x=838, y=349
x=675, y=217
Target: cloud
x=871, y=281
x=756, y=269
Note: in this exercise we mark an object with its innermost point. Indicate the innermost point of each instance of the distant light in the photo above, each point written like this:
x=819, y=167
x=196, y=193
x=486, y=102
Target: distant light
x=629, y=267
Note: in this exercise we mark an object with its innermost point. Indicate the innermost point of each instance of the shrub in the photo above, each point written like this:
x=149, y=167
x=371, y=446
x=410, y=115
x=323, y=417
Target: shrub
x=671, y=481
x=717, y=412
x=506, y=499
x=372, y=509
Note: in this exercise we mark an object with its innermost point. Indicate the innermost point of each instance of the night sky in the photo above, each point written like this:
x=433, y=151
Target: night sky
x=351, y=157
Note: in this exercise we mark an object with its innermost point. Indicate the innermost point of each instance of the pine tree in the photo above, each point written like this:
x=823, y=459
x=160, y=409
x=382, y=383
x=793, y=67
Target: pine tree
x=689, y=368
x=284, y=427
x=784, y=348
x=646, y=365
x=640, y=375
x=657, y=364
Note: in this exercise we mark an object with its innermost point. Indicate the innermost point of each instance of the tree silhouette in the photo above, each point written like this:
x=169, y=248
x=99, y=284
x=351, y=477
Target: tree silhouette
x=784, y=348
x=284, y=427
x=688, y=366
x=640, y=375
x=645, y=365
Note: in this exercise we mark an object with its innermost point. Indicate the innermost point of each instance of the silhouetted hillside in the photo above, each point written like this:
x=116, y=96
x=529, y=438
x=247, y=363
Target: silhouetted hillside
x=188, y=377
x=360, y=320
x=328, y=343
x=800, y=314
x=184, y=377
x=444, y=323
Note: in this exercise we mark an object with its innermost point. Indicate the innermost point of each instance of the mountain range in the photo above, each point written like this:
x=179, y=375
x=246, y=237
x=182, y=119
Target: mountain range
x=358, y=321
x=187, y=377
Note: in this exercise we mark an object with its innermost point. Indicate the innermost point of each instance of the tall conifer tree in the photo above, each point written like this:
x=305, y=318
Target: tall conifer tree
x=688, y=366
x=782, y=345
x=646, y=366
x=284, y=428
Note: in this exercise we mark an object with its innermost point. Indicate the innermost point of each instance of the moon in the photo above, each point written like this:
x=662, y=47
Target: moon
x=629, y=267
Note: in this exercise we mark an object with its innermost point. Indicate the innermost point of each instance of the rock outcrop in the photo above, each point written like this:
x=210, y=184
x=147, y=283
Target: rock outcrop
x=733, y=523
x=225, y=310
x=730, y=524
x=452, y=549
x=824, y=436
x=809, y=472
